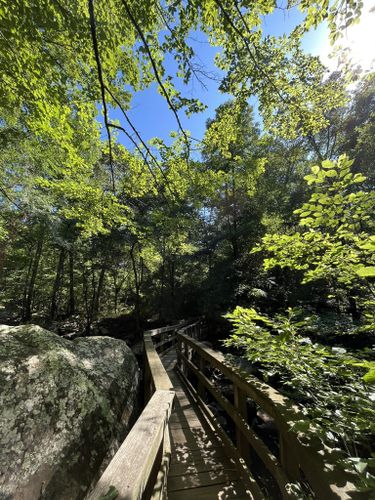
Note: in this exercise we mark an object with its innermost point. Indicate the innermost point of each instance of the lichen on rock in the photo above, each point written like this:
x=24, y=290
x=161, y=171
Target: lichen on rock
x=63, y=406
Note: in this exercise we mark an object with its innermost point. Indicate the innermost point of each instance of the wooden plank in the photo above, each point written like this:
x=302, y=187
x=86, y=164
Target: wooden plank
x=182, y=423
x=242, y=443
x=206, y=478
x=130, y=469
x=191, y=455
x=162, y=343
x=201, y=464
x=182, y=441
x=185, y=414
x=234, y=489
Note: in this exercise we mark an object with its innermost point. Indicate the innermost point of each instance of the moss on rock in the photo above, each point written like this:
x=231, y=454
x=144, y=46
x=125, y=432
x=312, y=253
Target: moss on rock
x=63, y=405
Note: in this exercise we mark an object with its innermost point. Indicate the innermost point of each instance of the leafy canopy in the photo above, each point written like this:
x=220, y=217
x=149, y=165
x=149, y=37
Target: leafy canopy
x=333, y=239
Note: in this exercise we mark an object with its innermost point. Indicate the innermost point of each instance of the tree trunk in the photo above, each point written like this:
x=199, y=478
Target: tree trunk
x=353, y=309
x=97, y=295
x=88, y=308
x=57, y=285
x=26, y=313
x=116, y=292
x=137, y=290
x=161, y=291
x=27, y=280
x=117, y=287
x=72, y=301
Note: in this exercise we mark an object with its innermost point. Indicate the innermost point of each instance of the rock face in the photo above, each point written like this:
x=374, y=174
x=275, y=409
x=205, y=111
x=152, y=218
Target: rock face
x=63, y=404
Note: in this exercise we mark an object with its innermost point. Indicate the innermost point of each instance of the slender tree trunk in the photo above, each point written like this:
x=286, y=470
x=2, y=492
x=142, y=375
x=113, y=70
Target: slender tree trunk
x=57, y=285
x=161, y=291
x=233, y=203
x=116, y=291
x=72, y=301
x=172, y=278
x=353, y=309
x=26, y=313
x=98, y=294
x=27, y=280
x=117, y=287
x=2, y=258
x=234, y=243
x=137, y=290
x=88, y=308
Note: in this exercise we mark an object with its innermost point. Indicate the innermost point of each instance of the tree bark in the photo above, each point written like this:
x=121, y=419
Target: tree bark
x=98, y=294
x=57, y=285
x=137, y=290
x=26, y=313
x=72, y=300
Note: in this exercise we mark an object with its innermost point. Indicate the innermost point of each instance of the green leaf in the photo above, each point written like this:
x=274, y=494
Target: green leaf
x=369, y=378
x=366, y=271
x=111, y=494
x=331, y=173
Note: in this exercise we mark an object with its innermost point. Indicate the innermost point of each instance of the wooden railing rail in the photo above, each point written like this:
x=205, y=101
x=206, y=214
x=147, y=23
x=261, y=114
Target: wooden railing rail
x=139, y=468
x=301, y=457
x=156, y=341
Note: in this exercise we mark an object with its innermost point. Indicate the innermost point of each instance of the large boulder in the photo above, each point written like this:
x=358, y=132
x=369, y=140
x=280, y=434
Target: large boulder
x=65, y=406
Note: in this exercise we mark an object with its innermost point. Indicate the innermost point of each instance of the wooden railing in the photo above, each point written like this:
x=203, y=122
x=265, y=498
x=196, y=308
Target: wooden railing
x=139, y=468
x=155, y=342
x=299, y=458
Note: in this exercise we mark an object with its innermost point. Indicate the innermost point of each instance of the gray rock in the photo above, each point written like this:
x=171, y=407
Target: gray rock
x=65, y=406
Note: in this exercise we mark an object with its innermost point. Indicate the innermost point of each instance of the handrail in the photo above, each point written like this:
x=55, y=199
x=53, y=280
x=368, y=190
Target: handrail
x=155, y=341
x=132, y=472
x=140, y=467
x=302, y=457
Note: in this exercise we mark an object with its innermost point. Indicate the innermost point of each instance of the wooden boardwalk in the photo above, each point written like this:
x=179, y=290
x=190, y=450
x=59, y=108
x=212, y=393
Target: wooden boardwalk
x=178, y=449
x=200, y=468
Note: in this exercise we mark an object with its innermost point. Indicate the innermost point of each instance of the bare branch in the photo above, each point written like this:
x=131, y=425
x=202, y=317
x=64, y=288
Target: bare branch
x=155, y=70
x=138, y=135
x=102, y=86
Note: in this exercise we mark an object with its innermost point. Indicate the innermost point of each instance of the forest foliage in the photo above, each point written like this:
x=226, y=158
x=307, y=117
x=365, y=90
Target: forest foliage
x=253, y=218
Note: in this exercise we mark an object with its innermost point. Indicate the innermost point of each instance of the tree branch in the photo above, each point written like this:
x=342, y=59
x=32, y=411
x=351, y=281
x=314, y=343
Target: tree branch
x=285, y=100
x=102, y=86
x=155, y=70
x=144, y=144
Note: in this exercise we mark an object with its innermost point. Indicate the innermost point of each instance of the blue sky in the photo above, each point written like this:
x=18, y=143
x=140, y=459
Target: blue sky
x=149, y=111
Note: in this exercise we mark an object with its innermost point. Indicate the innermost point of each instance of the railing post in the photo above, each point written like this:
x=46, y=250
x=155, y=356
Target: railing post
x=288, y=458
x=178, y=351
x=185, y=352
x=241, y=441
x=201, y=389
